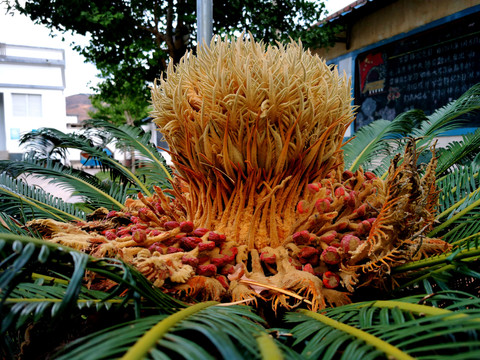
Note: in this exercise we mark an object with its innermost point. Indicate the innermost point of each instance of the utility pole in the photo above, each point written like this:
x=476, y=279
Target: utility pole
x=204, y=21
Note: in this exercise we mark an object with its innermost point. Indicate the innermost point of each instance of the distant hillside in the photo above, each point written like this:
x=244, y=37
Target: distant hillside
x=79, y=105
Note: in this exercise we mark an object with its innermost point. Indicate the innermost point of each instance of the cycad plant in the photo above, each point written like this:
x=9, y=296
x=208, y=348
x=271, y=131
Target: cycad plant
x=373, y=253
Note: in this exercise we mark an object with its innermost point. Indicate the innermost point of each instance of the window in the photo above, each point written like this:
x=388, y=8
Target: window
x=27, y=105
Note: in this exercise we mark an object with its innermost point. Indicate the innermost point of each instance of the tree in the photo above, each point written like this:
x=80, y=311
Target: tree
x=132, y=41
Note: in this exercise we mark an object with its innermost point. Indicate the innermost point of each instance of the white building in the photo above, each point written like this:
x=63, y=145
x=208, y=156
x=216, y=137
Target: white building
x=32, y=83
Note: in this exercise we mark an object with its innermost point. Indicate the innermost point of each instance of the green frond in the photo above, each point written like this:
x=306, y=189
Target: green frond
x=461, y=220
x=148, y=340
x=448, y=117
x=23, y=259
x=393, y=329
x=10, y=225
x=58, y=139
x=19, y=198
x=457, y=187
x=376, y=139
x=450, y=300
x=78, y=182
x=458, y=218
x=269, y=348
x=139, y=140
x=461, y=152
x=205, y=331
x=424, y=129
x=449, y=271
x=34, y=300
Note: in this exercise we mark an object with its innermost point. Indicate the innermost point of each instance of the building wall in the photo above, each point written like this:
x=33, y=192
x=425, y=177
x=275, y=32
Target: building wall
x=34, y=75
x=399, y=17
x=393, y=27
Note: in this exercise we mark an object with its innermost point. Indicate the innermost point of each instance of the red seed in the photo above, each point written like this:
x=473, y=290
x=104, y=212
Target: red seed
x=308, y=255
x=206, y=270
x=227, y=269
x=139, y=227
x=361, y=210
x=207, y=246
x=159, y=209
x=308, y=268
x=331, y=280
x=347, y=174
x=170, y=241
x=200, y=232
x=268, y=258
x=156, y=247
x=111, y=214
x=189, y=242
x=314, y=187
x=173, y=250
x=350, y=242
x=322, y=205
x=134, y=219
x=350, y=199
x=193, y=262
x=340, y=191
x=302, y=207
x=367, y=225
x=222, y=280
x=217, y=238
x=220, y=261
x=170, y=225
x=143, y=214
x=233, y=253
x=342, y=225
x=330, y=255
x=328, y=237
x=369, y=175
x=186, y=226
x=301, y=237
x=110, y=234
x=155, y=232
x=139, y=236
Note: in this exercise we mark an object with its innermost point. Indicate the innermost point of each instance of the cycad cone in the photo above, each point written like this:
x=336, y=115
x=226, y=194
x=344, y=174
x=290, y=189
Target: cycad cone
x=249, y=127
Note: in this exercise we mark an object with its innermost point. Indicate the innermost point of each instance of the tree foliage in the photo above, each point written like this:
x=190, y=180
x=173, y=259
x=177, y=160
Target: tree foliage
x=131, y=42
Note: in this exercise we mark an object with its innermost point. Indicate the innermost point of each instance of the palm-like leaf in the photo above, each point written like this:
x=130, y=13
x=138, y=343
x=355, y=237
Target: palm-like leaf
x=95, y=192
x=139, y=140
x=459, y=206
x=397, y=329
x=374, y=141
x=449, y=117
x=60, y=140
x=21, y=199
x=10, y=225
x=226, y=332
x=459, y=152
x=23, y=256
x=447, y=271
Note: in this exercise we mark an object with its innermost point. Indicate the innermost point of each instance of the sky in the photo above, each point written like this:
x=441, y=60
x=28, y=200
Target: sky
x=79, y=76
